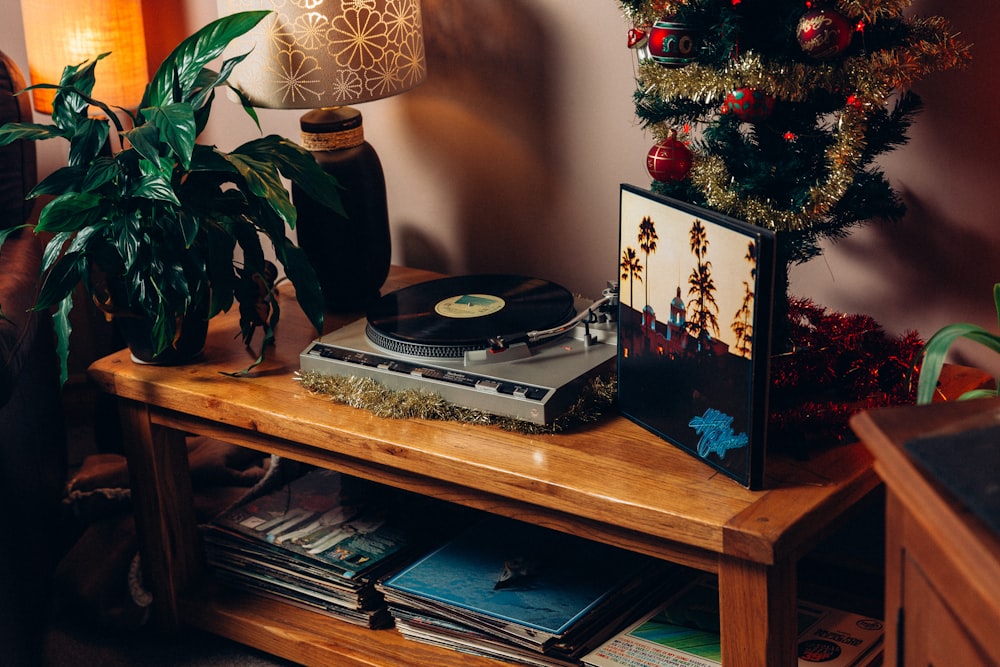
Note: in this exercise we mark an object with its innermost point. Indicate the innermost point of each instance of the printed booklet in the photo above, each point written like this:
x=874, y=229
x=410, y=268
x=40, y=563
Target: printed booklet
x=684, y=632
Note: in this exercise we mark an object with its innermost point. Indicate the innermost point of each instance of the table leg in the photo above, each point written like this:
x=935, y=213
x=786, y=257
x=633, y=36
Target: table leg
x=757, y=613
x=164, y=509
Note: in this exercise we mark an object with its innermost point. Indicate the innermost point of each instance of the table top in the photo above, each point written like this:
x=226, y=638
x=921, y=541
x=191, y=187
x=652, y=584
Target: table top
x=885, y=432
x=613, y=478
x=951, y=546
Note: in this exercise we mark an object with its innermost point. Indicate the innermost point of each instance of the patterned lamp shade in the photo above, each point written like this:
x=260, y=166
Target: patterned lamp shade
x=59, y=33
x=327, y=53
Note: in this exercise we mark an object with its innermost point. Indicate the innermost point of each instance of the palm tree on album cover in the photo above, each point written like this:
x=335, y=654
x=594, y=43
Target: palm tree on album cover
x=743, y=320
x=703, y=321
x=647, y=242
x=631, y=270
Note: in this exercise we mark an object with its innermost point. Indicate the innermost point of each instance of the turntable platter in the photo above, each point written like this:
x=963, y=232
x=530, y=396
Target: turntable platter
x=448, y=317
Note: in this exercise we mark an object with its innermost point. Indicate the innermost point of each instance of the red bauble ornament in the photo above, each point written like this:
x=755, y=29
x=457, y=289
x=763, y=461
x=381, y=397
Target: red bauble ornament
x=824, y=33
x=672, y=43
x=749, y=104
x=669, y=160
x=637, y=38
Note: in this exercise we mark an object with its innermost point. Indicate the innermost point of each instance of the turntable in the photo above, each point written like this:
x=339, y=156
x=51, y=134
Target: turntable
x=508, y=345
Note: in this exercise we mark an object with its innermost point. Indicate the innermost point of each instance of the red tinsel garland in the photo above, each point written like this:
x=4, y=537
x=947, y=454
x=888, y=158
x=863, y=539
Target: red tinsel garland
x=836, y=366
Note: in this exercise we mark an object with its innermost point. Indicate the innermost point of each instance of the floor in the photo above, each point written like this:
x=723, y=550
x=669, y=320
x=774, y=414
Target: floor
x=75, y=638
x=73, y=641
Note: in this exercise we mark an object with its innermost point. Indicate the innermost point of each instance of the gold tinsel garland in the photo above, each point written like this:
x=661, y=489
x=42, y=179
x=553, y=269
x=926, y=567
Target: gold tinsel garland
x=869, y=79
x=597, y=396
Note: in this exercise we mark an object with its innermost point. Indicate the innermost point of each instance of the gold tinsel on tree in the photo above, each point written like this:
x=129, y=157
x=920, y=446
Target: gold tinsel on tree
x=833, y=115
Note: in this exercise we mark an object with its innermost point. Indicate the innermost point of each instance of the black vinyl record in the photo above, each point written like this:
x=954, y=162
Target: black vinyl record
x=447, y=317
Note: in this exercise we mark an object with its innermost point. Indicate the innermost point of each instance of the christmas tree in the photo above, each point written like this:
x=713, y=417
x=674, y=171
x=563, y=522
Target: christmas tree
x=774, y=111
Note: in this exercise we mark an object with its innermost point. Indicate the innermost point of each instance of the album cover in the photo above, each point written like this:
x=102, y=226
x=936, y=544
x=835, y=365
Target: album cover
x=696, y=295
x=526, y=584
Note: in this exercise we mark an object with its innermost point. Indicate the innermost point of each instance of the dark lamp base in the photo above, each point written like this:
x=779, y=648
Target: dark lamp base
x=351, y=255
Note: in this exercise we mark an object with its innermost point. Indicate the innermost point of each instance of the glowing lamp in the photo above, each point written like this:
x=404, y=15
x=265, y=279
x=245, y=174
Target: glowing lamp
x=324, y=55
x=59, y=33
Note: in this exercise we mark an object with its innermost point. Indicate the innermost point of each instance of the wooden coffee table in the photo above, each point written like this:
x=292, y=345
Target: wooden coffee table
x=613, y=482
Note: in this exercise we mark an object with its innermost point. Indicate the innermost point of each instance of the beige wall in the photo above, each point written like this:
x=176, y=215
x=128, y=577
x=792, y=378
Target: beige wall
x=509, y=158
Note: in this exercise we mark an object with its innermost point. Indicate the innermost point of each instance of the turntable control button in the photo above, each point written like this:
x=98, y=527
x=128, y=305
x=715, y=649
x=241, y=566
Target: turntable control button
x=533, y=393
x=394, y=366
x=488, y=385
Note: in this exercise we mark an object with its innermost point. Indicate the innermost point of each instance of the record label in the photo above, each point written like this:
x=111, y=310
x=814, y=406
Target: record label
x=447, y=317
x=469, y=305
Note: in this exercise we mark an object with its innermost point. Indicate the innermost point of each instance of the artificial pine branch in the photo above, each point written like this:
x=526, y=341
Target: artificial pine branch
x=806, y=169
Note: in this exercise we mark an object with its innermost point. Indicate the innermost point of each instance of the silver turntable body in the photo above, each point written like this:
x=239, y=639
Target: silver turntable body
x=536, y=383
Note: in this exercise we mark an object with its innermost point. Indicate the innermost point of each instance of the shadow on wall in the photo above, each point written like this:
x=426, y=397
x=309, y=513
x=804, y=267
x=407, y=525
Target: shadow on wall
x=482, y=122
x=940, y=263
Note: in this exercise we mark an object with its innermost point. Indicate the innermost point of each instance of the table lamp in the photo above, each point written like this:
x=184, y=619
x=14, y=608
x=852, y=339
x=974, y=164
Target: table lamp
x=324, y=55
x=59, y=33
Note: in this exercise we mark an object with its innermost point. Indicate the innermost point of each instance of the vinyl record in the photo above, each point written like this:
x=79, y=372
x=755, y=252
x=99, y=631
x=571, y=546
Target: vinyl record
x=448, y=317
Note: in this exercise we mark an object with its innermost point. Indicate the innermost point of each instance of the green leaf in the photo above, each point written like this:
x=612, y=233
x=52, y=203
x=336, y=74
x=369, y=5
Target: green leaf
x=70, y=105
x=127, y=238
x=144, y=140
x=12, y=132
x=249, y=241
x=164, y=329
x=102, y=171
x=300, y=271
x=61, y=280
x=978, y=393
x=264, y=181
x=80, y=241
x=61, y=181
x=179, y=70
x=154, y=184
x=54, y=248
x=209, y=80
x=189, y=226
x=175, y=127
x=298, y=165
x=88, y=140
x=63, y=329
x=996, y=300
x=4, y=233
x=221, y=273
x=936, y=350
x=246, y=104
x=206, y=158
x=70, y=212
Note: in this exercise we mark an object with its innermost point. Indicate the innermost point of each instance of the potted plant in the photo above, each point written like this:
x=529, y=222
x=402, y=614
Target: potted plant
x=159, y=229
x=937, y=347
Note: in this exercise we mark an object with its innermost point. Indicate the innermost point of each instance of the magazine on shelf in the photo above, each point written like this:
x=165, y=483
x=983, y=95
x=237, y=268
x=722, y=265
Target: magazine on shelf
x=466, y=639
x=684, y=632
x=323, y=518
x=523, y=586
x=319, y=541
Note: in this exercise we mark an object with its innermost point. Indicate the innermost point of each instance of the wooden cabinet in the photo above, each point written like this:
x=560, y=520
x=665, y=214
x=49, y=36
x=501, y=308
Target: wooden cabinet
x=611, y=481
x=942, y=562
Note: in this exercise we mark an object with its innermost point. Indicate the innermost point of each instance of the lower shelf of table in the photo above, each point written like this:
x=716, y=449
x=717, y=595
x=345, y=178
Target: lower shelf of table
x=309, y=638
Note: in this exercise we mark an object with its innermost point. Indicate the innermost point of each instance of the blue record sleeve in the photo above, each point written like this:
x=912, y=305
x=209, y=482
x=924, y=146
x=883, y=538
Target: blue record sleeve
x=520, y=574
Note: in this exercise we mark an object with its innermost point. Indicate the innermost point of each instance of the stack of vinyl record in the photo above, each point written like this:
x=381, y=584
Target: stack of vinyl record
x=523, y=593
x=319, y=542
